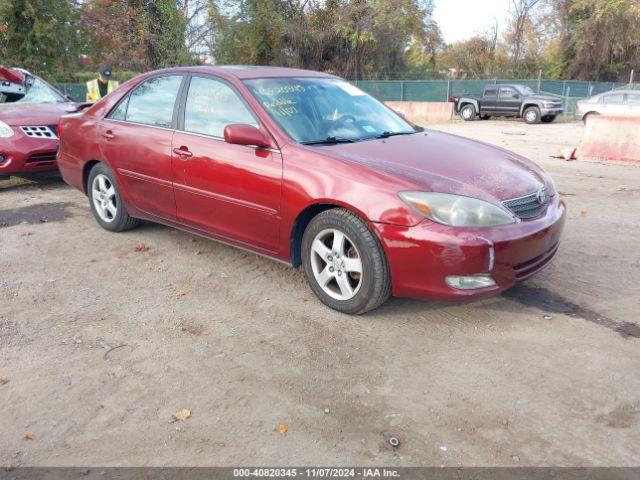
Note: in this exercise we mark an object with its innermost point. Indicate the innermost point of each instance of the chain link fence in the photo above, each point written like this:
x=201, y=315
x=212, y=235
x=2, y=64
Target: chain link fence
x=440, y=90
x=77, y=91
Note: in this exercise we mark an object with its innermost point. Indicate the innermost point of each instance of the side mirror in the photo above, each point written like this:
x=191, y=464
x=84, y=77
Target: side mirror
x=240, y=134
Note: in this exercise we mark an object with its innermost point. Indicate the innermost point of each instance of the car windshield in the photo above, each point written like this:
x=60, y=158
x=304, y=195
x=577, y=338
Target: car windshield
x=524, y=90
x=37, y=91
x=325, y=110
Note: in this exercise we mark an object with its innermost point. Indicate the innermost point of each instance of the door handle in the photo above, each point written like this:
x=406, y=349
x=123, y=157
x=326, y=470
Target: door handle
x=108, y=135
x=183, y=152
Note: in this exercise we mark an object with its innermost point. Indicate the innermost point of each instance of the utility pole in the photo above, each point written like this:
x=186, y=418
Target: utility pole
x=539, y=80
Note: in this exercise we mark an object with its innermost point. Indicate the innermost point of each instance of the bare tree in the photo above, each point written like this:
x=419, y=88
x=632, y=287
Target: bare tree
x=521, y=12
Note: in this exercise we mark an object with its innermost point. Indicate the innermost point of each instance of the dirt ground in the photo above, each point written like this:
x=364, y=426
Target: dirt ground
x=100, y=344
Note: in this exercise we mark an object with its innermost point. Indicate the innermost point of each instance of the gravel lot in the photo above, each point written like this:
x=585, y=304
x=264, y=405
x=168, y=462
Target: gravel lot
x=100, y=344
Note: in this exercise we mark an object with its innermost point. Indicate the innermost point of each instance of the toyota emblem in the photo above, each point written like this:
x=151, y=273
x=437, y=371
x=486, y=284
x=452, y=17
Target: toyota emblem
x=542, y=196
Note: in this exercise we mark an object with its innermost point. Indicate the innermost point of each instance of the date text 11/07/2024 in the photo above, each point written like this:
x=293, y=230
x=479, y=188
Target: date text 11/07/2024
x=316, y=472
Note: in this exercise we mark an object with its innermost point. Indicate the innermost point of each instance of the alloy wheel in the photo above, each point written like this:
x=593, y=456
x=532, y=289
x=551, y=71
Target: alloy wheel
x=336, y=264
x=103, y=194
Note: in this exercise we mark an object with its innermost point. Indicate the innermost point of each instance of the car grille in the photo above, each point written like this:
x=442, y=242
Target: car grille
x=529, y=206
x=41, y=131
x=43, y=158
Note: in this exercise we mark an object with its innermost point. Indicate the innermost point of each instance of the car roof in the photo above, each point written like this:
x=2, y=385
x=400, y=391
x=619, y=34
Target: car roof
x=244, y=72
x=511, y=85
x=618, y=91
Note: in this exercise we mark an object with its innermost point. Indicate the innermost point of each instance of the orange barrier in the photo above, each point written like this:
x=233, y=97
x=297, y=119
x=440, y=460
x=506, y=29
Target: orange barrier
x=612, y=138
x=424, y=112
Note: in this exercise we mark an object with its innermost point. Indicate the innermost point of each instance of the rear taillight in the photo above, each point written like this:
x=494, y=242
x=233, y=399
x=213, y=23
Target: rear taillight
x=59, y=127
x=452, y=98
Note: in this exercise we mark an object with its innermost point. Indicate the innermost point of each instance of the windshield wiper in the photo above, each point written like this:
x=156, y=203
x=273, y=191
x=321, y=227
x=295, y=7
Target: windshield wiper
x=387, y=134
x=329, y=141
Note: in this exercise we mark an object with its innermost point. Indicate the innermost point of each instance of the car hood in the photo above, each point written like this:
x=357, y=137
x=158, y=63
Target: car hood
x=440, y=162
x=16, y=114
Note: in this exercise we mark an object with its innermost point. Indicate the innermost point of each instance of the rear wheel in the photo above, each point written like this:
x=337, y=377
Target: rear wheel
x=468, y=112
x=344, y=262
x=532, y=115
x=105, y=200
x=548, y=118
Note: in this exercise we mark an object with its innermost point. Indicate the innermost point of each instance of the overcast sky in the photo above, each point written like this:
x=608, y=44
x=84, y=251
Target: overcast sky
x=461, y=19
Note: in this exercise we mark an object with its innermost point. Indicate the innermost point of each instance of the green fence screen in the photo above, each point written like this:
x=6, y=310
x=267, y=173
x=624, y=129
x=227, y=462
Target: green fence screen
x=440, y=90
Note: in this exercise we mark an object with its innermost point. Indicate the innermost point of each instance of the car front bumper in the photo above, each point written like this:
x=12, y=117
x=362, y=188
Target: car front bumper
x=23, y=155
x=551, y=111
x=422, y=256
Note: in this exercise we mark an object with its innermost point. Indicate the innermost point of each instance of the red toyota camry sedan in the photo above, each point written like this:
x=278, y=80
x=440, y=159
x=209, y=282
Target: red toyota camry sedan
x=307, y=169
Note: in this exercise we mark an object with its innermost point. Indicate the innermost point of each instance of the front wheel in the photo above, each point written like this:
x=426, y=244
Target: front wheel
x=468, y=112
x=344, y=262
x=589, y=115
x=532, y=115
x=105, y=200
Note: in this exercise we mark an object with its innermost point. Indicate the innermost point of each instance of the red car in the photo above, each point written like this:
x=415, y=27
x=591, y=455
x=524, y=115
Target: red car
x=307, y=169
x=29, y=113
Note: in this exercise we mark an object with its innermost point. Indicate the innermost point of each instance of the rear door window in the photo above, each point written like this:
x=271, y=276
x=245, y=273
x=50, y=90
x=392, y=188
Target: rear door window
x=491, y=92
x=153, y=101
x=615, y=98
x=633, y=98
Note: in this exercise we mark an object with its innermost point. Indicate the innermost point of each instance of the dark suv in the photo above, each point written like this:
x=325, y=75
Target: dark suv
x=508, y=101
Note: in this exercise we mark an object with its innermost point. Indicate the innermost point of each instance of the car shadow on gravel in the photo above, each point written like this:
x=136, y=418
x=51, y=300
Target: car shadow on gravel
x=543, y=299
x=35, y=214
x=551, y=302
x=47, y=180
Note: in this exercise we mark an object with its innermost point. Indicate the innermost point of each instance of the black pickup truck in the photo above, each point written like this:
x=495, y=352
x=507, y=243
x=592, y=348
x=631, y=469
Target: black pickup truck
x=508, y=101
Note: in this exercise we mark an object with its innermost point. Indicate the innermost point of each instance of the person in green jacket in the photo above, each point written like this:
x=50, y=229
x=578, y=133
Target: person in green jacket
x=101, y=86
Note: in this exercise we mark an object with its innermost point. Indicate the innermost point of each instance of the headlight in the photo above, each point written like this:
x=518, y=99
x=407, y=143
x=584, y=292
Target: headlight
x=456, y=210
x=5, y=130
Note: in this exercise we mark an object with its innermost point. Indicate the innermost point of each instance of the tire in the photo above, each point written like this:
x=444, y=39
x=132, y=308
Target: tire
x=532, y=115
x=367, y=289
x=468, y=112
x=107, y=205
x=548, y=119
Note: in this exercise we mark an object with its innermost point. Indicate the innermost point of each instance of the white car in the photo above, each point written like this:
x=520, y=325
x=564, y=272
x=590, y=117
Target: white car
x=615, y=102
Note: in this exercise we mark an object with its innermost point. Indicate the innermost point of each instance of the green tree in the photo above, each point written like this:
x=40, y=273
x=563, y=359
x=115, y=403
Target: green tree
x=40, y=35
x=135, y=34
x=353, y=38
x=595, y=39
